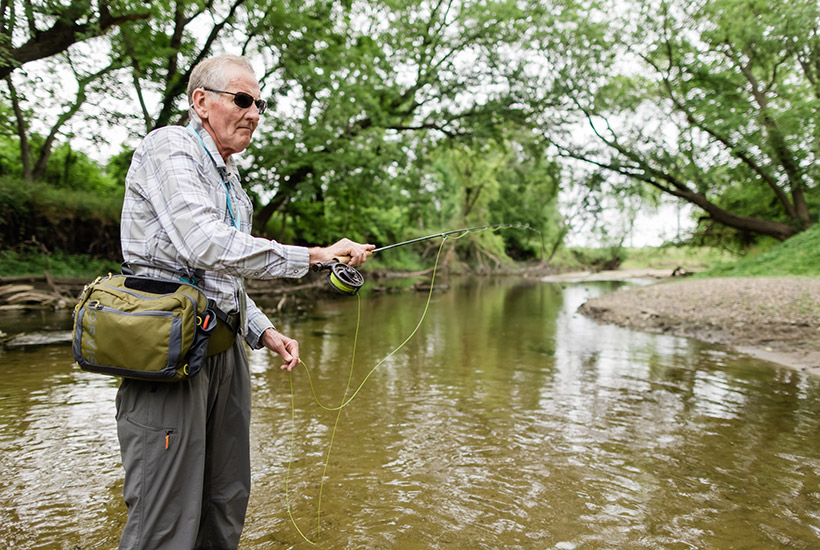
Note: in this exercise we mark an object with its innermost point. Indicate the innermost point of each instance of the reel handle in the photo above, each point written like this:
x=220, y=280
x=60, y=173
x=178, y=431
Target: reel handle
x=329, y=265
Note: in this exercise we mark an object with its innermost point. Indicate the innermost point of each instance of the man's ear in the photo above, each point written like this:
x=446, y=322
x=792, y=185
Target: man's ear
x=200, y=100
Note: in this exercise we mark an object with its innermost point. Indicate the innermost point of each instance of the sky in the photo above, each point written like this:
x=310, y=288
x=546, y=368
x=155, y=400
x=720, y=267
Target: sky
x=670, y=222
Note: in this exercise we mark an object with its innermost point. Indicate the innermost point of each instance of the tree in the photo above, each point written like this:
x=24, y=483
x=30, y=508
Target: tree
x=34, y=170
x=34, y=31
x=84, y=47
x=713, y=102
x=508, y=181
x=162, y=52
x=360, y=93
x=372, y=85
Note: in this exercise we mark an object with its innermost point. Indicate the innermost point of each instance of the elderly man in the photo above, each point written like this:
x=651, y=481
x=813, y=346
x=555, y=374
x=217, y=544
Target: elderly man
x=185, y=445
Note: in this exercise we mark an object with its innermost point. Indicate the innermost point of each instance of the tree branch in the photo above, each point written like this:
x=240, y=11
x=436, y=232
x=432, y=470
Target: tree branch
x=176, y=82
x=734, y=150
x=780, y=231
x=778, y=143
x=82, y=83
x=66, y=31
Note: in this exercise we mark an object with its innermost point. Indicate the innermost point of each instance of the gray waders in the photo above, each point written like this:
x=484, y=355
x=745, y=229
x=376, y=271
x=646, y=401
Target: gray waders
x=185, y=450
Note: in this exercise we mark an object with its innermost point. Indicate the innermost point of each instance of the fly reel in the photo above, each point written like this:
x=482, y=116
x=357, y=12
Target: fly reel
x=347, y=280
x=343, y=278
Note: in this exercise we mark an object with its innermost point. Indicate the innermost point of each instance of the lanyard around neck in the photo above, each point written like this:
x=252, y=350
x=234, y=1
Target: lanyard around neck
x=222, y=177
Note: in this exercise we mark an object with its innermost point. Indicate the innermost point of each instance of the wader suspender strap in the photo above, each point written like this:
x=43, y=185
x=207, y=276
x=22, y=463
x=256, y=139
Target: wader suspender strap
x=221, y=176
x=243, y=301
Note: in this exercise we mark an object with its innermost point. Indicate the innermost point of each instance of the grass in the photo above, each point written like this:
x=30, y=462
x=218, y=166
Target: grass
x=691, y=258
x=59, y=264
x=798, y=256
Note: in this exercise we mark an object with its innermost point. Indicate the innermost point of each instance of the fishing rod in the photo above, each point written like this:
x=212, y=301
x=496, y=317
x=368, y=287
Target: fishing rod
x=348, y=280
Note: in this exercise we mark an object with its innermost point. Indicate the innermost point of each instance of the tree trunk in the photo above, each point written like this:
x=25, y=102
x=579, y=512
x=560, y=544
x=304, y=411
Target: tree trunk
x=263, y=215
x=22, y=133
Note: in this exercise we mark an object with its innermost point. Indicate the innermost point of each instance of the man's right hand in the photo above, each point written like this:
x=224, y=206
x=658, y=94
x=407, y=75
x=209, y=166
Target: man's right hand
x=345, y=250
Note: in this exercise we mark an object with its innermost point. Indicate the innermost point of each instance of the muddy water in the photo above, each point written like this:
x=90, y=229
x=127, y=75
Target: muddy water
x=507, y=422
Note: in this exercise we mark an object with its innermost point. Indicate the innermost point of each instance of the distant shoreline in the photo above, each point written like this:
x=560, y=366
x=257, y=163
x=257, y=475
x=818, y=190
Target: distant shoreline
x=776, y=319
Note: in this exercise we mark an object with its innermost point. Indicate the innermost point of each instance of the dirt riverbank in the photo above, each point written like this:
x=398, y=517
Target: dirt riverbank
x=776, y=319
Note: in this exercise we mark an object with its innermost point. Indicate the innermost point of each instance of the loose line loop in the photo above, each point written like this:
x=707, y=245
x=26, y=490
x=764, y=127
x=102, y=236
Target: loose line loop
x=345, y=400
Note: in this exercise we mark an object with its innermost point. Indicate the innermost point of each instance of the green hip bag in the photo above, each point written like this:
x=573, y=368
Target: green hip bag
x=148, y=328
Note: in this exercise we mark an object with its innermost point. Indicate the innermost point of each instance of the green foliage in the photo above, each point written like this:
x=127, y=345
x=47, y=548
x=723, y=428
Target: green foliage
x=60, y=219
x=66, y=168
x=797, y=256
x=19, y=200
x=598, y=259
x=117, y=166
x=399, y=118
x=528, y=195
x=70, y=169
x=81, y=204
x=714, y=102
x=33, y=261
x=384, y=103
x=9, y=156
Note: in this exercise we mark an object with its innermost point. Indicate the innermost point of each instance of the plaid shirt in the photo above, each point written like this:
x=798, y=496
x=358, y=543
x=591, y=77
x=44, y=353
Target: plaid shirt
x=175, y=215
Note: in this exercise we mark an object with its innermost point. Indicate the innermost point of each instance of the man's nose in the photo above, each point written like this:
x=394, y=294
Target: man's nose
x=252, y=112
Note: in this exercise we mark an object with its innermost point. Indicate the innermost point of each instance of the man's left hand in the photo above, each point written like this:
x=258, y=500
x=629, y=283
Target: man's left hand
x=287, y=348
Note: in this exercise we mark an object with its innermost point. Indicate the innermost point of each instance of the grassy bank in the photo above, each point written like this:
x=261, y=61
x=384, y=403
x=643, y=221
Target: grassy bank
x=39, y=216
x=798, y=256
x=689, y=258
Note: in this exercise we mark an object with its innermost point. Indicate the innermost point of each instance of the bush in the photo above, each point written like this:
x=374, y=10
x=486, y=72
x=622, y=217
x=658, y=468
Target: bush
x=599, y=259
x=76, y=222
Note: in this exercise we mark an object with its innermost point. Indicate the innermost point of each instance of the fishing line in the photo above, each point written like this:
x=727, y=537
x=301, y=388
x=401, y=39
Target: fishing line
x=332, y=433
x=345, y=400
x=348, y=282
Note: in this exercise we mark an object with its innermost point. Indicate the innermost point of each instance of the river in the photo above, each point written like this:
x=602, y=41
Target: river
x=507, y=421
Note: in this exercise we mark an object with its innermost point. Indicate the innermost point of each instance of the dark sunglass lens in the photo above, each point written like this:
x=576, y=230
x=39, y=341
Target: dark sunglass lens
x=261, y=104
x=243, y=100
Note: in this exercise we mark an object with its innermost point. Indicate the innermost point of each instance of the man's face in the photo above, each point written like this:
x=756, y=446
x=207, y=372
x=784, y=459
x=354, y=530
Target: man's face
x=230, y=126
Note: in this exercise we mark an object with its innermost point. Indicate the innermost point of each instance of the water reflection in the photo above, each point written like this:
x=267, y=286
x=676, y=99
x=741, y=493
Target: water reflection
x=509, y=421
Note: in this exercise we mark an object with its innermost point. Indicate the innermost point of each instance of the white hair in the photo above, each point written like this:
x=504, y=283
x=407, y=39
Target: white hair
x=211, y=73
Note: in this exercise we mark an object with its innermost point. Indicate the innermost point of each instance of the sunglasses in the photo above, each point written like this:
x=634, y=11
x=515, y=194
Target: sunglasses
x=242, y=100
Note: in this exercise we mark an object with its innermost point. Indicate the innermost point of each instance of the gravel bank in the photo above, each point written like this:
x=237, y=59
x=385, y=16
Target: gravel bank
x=776, y=319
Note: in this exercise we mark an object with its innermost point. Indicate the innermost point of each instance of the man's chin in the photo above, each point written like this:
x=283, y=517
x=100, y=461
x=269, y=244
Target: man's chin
x=242, y=144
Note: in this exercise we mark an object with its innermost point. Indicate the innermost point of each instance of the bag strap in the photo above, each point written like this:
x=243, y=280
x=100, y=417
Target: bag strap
x=195, y=277
x=186, y=275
